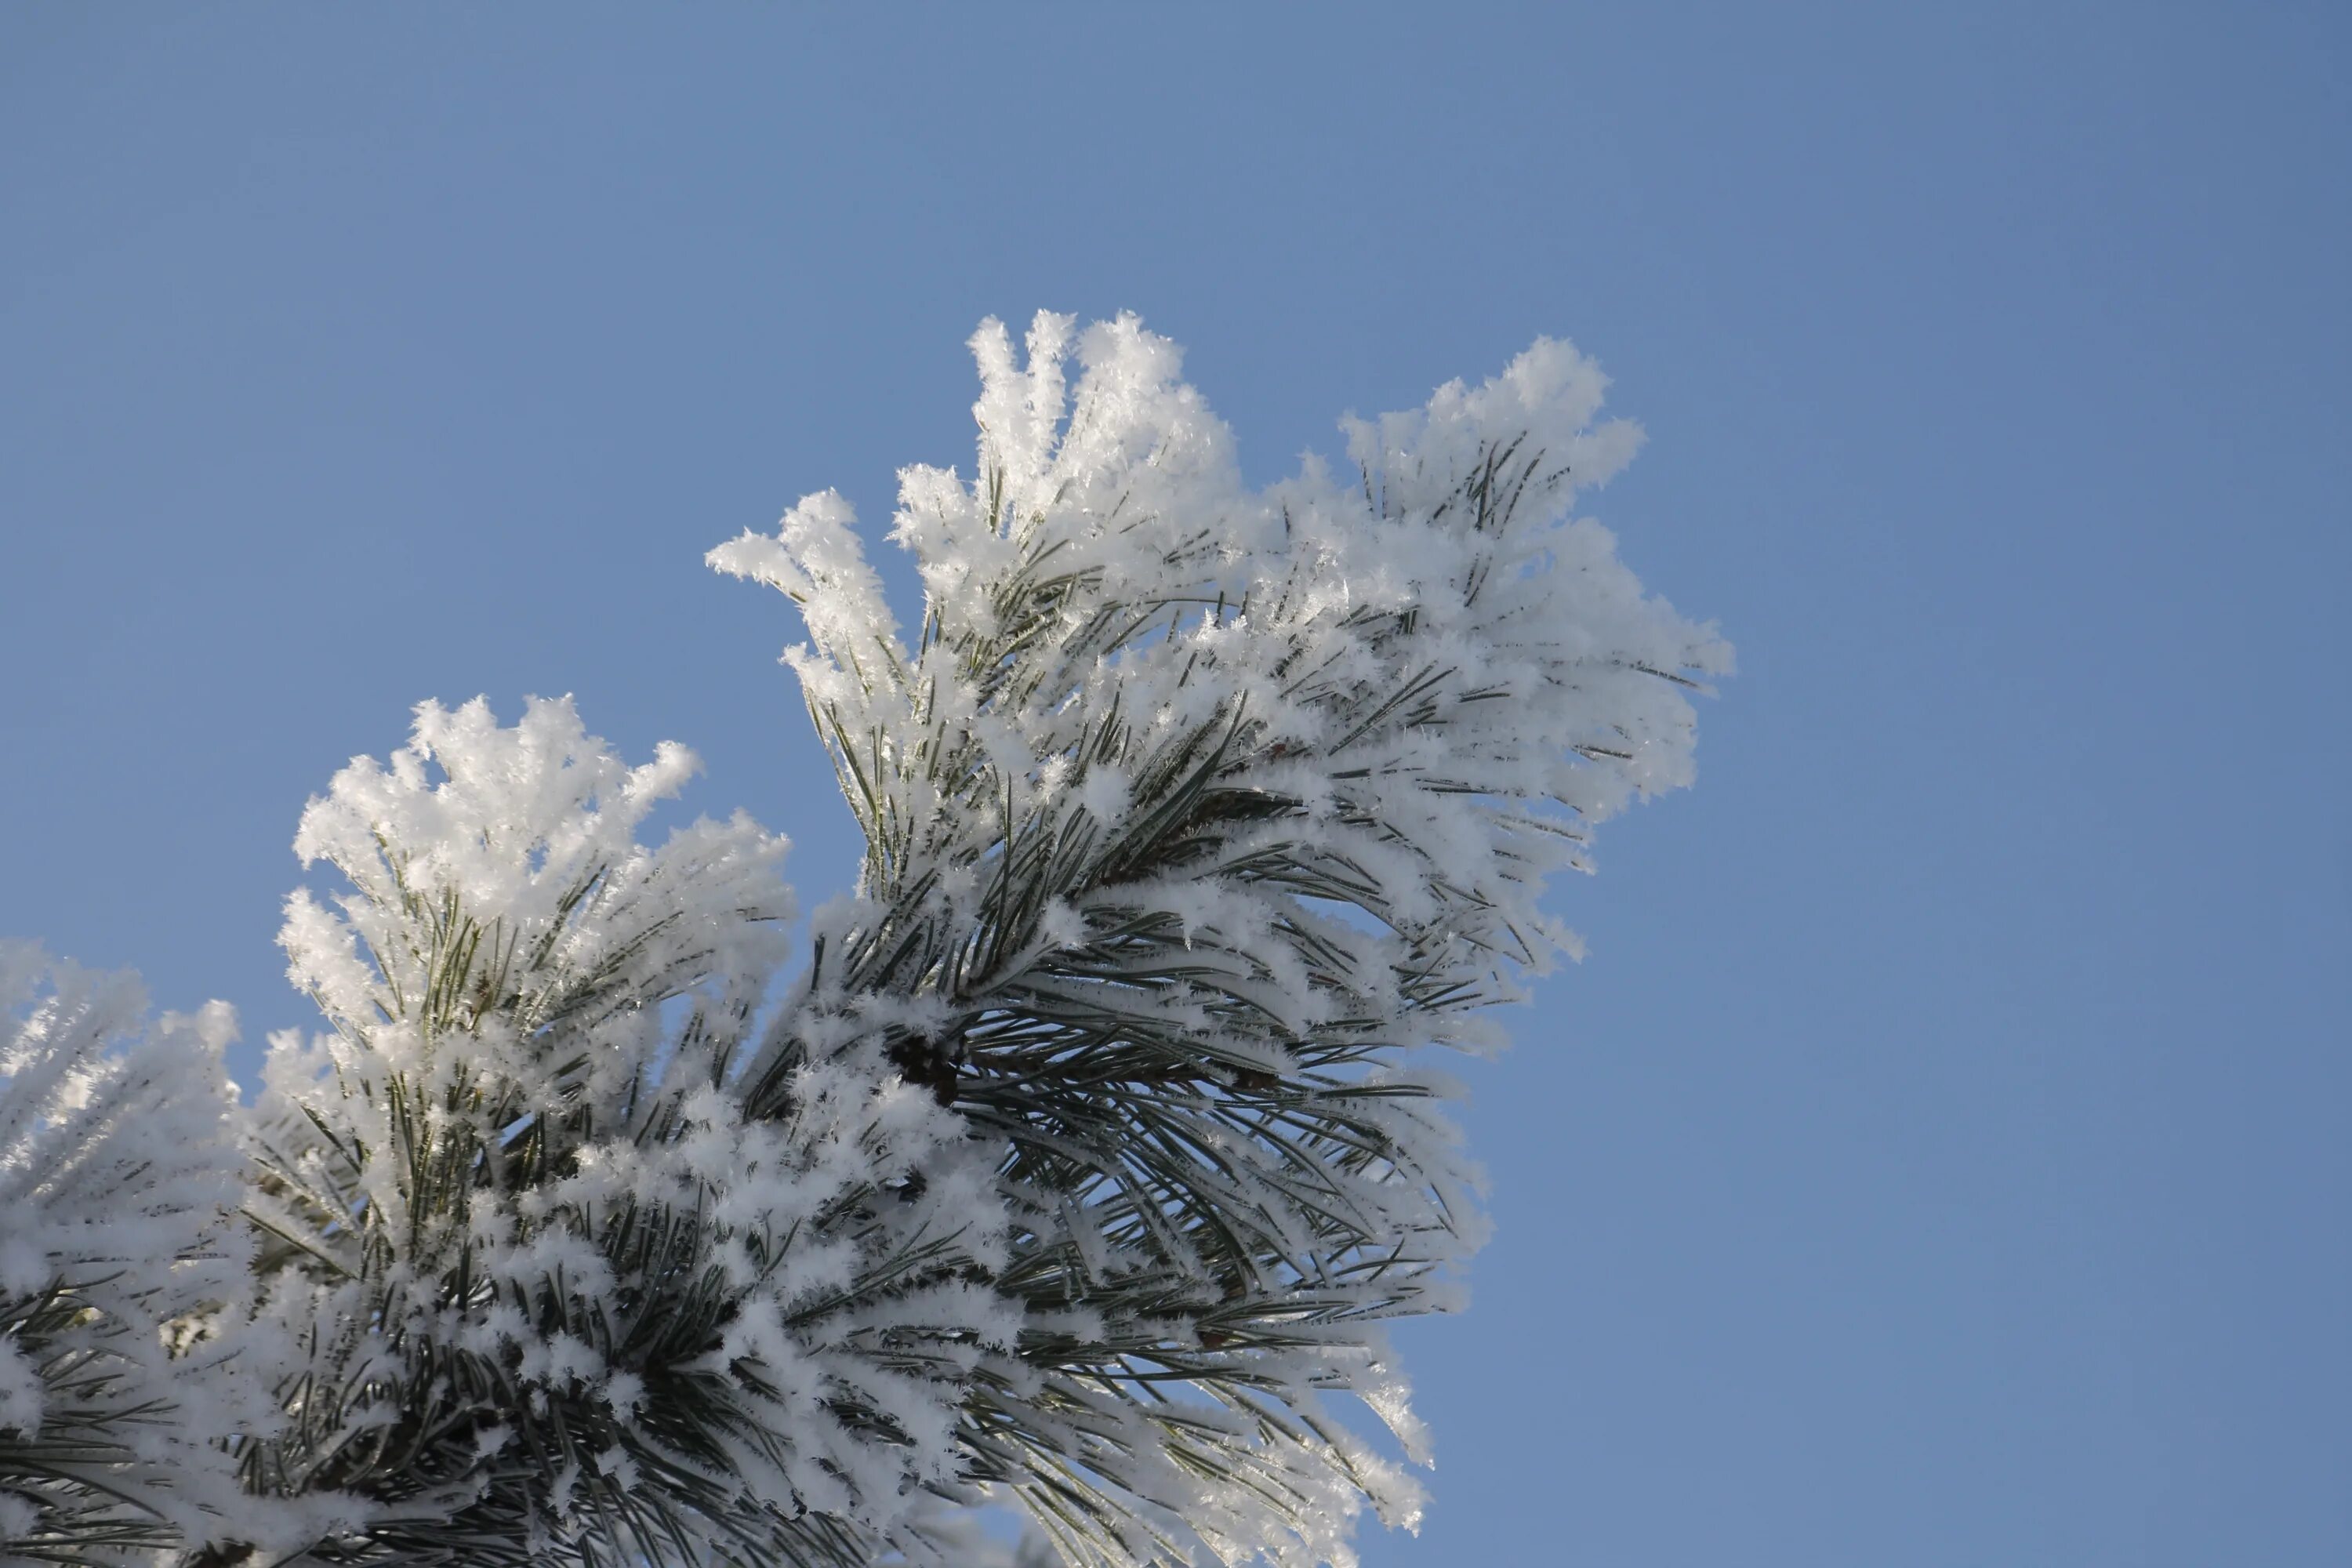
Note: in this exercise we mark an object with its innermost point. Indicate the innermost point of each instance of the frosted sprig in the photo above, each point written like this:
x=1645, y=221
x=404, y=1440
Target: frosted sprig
x=120, y=1253
x=552, y=1295
x=1191, y=813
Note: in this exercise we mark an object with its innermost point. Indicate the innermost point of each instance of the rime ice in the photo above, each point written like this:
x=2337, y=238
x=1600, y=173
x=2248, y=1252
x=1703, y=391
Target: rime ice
x=1077, y=1164
x=1193, y=813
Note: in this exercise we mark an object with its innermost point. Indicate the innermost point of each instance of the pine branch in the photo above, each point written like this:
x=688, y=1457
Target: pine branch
x=1193, y=818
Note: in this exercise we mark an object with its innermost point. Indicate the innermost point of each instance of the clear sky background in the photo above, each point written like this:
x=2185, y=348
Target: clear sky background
x=1944, y=1155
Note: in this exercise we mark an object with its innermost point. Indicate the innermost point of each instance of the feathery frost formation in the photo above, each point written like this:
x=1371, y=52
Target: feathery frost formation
x=119, y=1245
x=554, y=1290
x=1077, y=1165
x=1190, y=813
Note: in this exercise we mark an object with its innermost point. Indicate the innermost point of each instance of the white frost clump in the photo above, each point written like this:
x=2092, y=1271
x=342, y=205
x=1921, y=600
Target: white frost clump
x=1191, y=811
x=533, y=1253
x=119, y=1248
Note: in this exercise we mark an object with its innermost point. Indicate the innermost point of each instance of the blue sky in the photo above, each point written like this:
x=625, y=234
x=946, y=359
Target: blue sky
x=1944, y=1155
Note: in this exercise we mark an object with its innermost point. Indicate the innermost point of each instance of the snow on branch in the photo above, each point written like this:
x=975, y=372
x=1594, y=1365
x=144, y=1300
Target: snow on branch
x=118, y=1185
x=548, y=1293
x=1079, y=1164
x=1190, y=813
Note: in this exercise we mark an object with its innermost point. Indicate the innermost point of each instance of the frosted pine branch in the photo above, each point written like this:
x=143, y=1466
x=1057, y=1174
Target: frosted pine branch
x=556, y=1297
x=119, y=1250
x=1192, y=814
x=1077, y=1164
